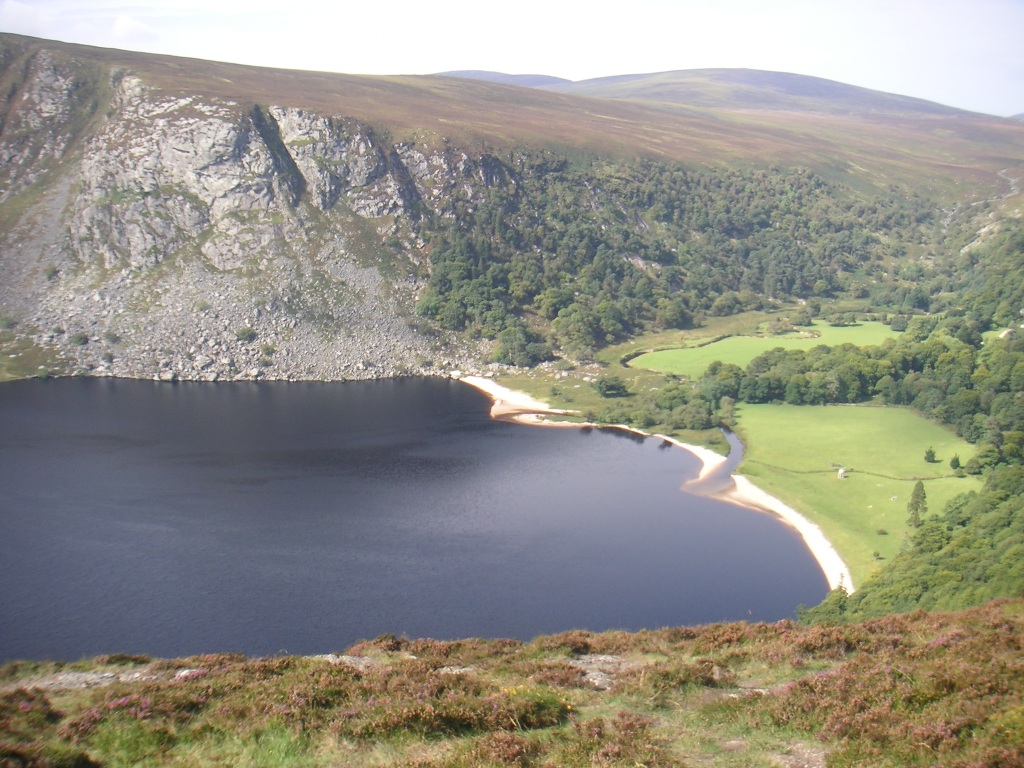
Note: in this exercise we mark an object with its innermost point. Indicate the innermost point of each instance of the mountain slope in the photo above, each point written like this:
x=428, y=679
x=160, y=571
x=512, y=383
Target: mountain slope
x=936, y=147
x=847, y=132
x=175, y=218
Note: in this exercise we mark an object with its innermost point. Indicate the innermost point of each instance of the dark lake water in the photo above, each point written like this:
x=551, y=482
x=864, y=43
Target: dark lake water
x=175, y=519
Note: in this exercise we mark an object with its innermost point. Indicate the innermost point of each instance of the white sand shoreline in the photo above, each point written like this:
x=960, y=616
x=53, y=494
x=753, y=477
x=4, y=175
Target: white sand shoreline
x=508, y=401
x=746, y=494
x=519, y=406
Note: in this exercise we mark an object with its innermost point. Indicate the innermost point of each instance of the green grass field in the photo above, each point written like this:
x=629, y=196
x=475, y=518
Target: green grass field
x=740, y=350
x=793, y=452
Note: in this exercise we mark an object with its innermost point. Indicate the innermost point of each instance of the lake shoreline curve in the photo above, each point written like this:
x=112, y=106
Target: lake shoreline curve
x=512, y=405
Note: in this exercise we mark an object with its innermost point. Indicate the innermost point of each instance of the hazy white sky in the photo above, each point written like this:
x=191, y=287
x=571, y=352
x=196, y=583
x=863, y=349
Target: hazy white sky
x=964, y=53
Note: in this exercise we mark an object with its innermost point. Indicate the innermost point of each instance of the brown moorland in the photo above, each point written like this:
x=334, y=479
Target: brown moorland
x=948, y=151
x=917, y=689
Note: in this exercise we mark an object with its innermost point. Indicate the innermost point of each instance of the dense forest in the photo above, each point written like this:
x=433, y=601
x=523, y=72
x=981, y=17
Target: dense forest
x=578, y=255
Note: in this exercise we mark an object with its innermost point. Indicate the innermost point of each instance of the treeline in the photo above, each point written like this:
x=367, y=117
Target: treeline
x=940, y=365
x=579, y=255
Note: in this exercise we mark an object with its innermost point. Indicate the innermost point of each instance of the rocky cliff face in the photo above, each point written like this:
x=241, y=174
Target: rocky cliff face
x=157, y=234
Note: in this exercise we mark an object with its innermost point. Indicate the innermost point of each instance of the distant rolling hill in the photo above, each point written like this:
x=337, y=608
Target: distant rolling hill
x=819, y=122
x=733, y=89
x=527, y=81
x=747, y=89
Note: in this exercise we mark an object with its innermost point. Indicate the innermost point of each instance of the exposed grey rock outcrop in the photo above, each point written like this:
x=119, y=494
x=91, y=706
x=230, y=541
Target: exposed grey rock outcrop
x=42, y=100
x=188, y=237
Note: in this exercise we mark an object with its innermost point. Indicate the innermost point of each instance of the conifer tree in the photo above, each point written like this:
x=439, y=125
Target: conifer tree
x=917, y=507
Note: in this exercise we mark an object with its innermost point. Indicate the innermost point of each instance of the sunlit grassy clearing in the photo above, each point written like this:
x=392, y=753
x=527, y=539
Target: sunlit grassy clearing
x=740, y=350
x=793, y=452
x=712, y=328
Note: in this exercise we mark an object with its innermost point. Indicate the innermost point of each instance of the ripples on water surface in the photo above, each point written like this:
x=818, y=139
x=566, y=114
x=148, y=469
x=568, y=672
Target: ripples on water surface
x=175, y=519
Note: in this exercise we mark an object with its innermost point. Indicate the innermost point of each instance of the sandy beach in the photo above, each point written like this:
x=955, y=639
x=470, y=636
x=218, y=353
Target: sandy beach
x=710, y=460
x=509, y=402
x=836, y=573
x=518, y=406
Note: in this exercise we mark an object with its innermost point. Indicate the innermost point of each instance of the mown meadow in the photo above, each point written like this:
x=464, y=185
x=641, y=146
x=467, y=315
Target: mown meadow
x=795, y=453
x=692, y=361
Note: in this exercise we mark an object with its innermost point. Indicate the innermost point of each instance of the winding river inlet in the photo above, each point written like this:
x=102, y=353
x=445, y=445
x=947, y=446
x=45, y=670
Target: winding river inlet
x=175, y=519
